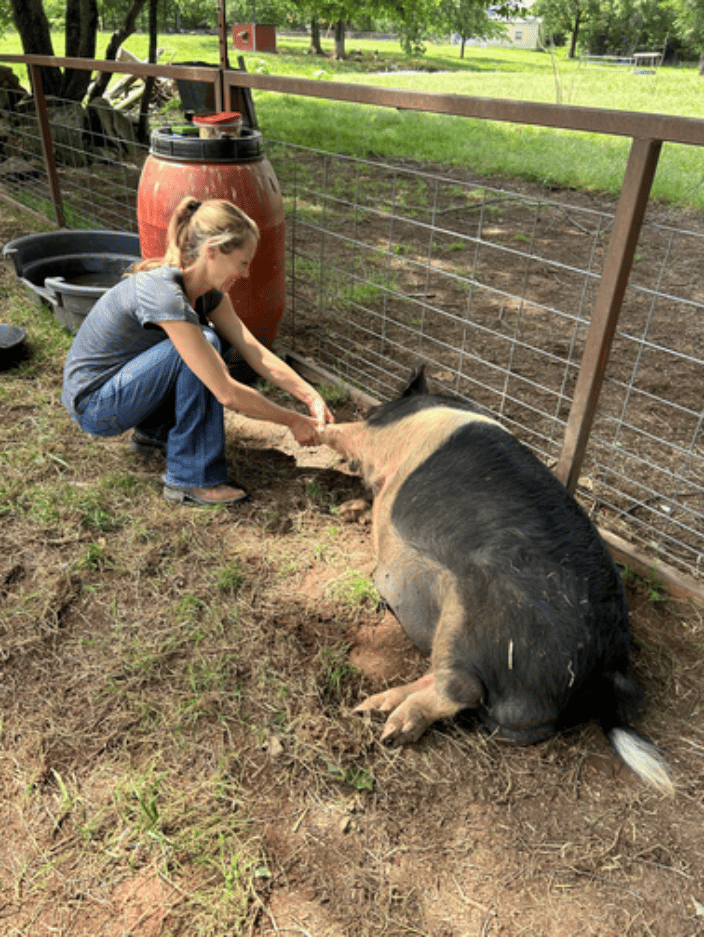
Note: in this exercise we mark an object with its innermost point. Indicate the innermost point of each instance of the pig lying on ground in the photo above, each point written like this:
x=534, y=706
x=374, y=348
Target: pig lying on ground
x=497, y=574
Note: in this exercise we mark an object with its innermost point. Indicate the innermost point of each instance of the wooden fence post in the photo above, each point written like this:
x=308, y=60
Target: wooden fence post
x=47, y=146
x=638, y=179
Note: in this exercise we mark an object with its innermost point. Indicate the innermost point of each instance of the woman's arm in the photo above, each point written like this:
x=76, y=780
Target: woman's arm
x=266, y=363
x=200, y=356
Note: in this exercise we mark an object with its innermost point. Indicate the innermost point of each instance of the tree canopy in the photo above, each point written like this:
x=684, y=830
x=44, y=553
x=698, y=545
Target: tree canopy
x=621, y=27
x=476, y=19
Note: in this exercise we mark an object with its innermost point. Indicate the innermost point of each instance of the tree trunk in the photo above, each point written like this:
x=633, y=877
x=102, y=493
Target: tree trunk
x=116, y=40
x=340, y=40
x=315, y=37
x=81, y=29
x=33, y=26
x=462, y=47
x=143, y=127
x=575, y=34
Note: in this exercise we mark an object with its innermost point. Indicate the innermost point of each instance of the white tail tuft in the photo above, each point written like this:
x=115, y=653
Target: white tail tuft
x=643, y=758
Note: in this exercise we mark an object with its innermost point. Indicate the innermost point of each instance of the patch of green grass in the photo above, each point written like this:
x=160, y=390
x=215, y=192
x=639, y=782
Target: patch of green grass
x=334, y=395
x=229, y=578
x=336, y=676
x=655, y=587
x=363, y=292
x=36, y=202
x=152, y=823
x=64, y=503
x=361, y=779
x=95, y=557
x=648, y=582
x=355, y=589
x=590, y=162
x=188, y=608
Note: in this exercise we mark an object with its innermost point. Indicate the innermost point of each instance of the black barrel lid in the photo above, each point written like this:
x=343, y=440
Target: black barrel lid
x=245, y=148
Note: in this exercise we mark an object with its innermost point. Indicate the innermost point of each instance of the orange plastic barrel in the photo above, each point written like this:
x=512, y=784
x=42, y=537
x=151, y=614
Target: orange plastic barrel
x=233, y=168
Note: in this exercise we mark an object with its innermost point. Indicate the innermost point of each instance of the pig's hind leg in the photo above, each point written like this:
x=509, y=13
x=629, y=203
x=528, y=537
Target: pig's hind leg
x=440, y=694
x=414, y=707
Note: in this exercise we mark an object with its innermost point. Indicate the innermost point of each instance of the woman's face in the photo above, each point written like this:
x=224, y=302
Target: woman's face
x=225, y=269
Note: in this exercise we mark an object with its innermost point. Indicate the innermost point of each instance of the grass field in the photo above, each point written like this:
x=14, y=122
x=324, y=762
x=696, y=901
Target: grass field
x=589, y=162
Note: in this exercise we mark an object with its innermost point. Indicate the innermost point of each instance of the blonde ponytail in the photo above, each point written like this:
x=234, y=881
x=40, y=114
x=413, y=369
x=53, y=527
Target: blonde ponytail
x=193, y=223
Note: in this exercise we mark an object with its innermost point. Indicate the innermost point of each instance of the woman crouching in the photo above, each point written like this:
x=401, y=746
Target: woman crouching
x=152, y=356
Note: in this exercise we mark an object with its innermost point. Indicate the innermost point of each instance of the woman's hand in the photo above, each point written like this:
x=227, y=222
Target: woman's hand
x=320, y=412
x=304, y=430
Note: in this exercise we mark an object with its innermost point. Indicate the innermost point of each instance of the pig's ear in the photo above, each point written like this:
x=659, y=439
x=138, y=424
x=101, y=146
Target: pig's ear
x=417, y=383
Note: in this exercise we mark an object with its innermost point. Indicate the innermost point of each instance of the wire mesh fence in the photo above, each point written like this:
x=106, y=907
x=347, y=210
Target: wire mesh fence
x=98, y=168
x=647, y=446
x=392, y=264
x=491, y=285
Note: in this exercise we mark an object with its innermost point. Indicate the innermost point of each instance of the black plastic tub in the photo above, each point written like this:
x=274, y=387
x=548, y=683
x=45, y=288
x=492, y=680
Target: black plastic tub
x=70, y=270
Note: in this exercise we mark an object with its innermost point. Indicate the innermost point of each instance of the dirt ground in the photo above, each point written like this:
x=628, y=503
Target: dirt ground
x=123, y=654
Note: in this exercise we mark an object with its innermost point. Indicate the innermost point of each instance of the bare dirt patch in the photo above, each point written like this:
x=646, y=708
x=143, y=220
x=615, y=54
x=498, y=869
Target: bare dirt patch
x=178, y=752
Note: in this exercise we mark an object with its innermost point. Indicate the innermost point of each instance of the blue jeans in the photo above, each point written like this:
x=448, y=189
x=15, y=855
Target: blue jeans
x=159, y=395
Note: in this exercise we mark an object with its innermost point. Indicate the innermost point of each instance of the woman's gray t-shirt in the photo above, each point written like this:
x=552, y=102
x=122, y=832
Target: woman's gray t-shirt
x=124, y=323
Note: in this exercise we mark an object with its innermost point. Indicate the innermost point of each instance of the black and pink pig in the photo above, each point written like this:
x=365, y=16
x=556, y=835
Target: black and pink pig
x=497, y=575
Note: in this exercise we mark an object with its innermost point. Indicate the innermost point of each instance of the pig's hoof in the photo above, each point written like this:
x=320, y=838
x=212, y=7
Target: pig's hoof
x=404, y=725
x=384, y=702
x=356, y=510
x=374, y=703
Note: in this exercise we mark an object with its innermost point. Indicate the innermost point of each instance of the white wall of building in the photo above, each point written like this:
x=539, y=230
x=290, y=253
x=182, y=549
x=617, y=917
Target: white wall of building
x=520, y=34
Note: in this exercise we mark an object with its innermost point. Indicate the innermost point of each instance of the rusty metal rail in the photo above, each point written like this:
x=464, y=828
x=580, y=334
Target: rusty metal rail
x=564, y=117
x=638, y=126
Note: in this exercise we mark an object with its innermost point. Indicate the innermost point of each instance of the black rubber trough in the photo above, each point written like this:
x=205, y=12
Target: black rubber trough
x=70, y=270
